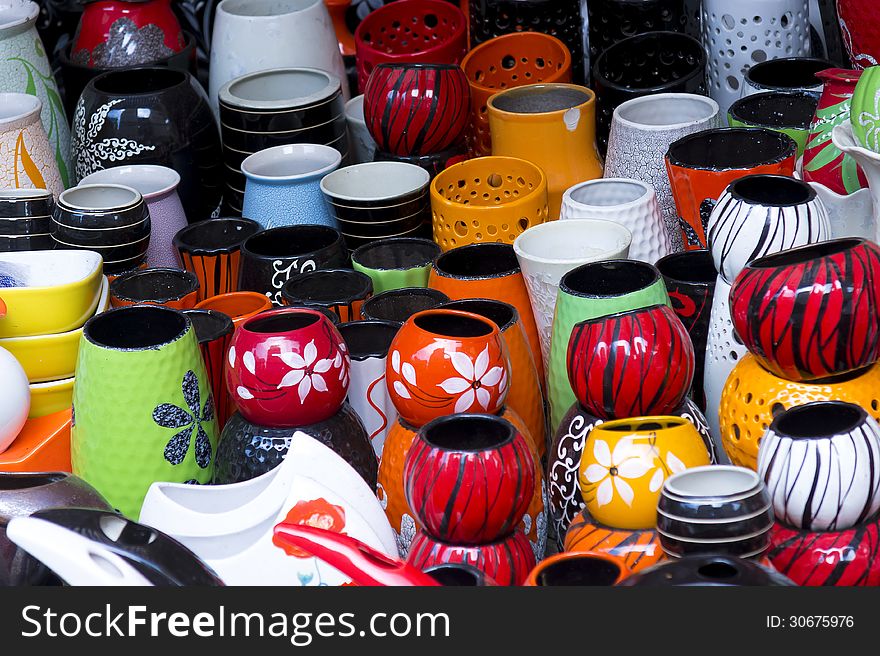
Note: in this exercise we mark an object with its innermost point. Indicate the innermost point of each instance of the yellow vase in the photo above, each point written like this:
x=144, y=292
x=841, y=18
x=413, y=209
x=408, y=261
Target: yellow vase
x=552, y=125
x=625, y=463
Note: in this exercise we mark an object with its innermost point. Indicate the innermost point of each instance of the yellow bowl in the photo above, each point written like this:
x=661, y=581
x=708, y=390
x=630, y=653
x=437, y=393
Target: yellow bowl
x=50, y=397
x=51, y=357
x=62, y=291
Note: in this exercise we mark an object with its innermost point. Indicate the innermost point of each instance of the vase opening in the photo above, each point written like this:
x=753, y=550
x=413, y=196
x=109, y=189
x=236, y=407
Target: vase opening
x=720, y=149
x=485, y=260
x=264, y=8
x=209, y=324
x=282, y=84
x=818, y=420
x=282, y=322
x=327, y=286
x=718, y=570
x=15, y=106
x=651, y=61
x=217, y=234
x=375, y=181
x=609, y=278
x=137, y=327
x=158, y=285
x=772, y=190
x=644, y=424
x=139, y=81
x=579, y=570
x=454, y=575
x=540, y=99
x=389, y=254
x=99, y=197
x=291, y=241
x=366, y=339
x=501, y=314
x=713, y=481
x=788, y=72
x=150, y=180
x=667, y=110
x=9, y=482
x=453, y=324
x=604, y=193
x=18, y=13
x=398, y=305
x=464, y=432
x=284, y=163
x=693, y=267
x=235, y=304
x=776, y=109
x=794, y=256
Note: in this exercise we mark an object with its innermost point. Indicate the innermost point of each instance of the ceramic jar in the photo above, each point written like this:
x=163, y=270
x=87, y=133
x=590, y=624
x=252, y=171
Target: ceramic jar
x=156, y=116
x=654, y=62
x=422, y=31
x=634, y=550
x=28, y=160
x=642, y=130
x=287, y=367
x=701, y=165
x=214, y=332
x=631, y=203
x=858, y=37
x=398, y=305
x=26, y=220
x=25, y=68
x=141, y=389
x=173, y=288
x=361, y=146
x=487, y=199
x=577, y=569
x=790, y=112
x=786, y=74
x=341, y=291
x=396, y=262
x=551, y=125
x=239, y=24
x=508, y=61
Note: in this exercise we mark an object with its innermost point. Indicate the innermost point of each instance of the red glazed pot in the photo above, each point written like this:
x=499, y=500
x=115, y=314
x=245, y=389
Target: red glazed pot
x=410, y=32
x=445, y=361
x=507, y=561
x=858, y=25
x=631, y=364
x=287, y=367
x=116, y=33
x=469, y=478
x=811, y=312
x=416, y=109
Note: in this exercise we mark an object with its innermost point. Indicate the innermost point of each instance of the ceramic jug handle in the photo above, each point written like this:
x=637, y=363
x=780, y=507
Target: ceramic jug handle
x=365, y=565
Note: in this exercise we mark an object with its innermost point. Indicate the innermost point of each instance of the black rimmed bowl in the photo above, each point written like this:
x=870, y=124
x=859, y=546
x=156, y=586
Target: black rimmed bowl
x=215, y=236
x=398, y=305
x=397, y=254
x=790, y=112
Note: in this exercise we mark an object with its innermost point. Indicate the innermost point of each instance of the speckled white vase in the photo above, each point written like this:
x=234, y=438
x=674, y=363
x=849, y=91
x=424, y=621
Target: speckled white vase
x=26, y=157
x=723, y=351
x=641, y=131
x=631, y=203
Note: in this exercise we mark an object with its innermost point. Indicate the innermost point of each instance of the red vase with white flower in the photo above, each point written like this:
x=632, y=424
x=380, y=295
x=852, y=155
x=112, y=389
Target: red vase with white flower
x=287, y=367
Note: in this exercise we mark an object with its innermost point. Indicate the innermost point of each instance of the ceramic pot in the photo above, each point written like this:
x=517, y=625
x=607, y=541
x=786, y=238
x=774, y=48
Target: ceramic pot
x=743, y=224
x=790, y=112
x=690, y=282
x=173, y=288
x=551, y=125
x=377, y=200
x=844, y=557
x=753, y=396
x=508, y=61
x=26, y=69
x=28, y=160
x=26, y=220
x=26, y=493
x=779, y=307
x=424, y=31
x=396, y=262
x=812, y=459
x=634, y=550
x=361, y=146
x=653, y=62
x=141, y=389
x=631, y=203
x=488, y=271
x=271, y=257
x=15, y=406
x=159, y=116
x=214, y=333
x=786, y=74
x=243, y=516
x=487, y=199
x=787, y=20
x=709, y=571
x=869, y=161
x=589, y=291
x=247, y=450
x=109, y=219
x=630, y=364
x=578, y=569
x=850, y=215
x=239, y=24
x=342, y=291
x=701, y=165
x=211, y=250
x=287, y=367
x=368, y=343
x=858, y=39
x=416, y=109
x=459, y=574
x=236, y=305
x=398, y=305
x=642, y=130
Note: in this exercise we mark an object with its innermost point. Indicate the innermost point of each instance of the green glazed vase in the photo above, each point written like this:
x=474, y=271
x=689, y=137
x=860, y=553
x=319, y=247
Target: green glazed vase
x=865, y=109
x=789, y=112
x=590, y=291
x=396, y=263
x=142, y=405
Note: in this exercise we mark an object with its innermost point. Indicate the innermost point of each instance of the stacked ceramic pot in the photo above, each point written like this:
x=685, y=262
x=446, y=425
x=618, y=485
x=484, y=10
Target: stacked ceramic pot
x=26, y=220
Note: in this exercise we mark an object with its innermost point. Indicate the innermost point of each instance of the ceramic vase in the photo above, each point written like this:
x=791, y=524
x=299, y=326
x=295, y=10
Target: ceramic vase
x=214, y=333
x=869, y=161
x=162, y=417
x=361, y=146
x=236, y=305
x=786, y=74
x=28, y=161
x=398, y=305
x=859, y=39
x=26, y=220
x=552, y=125
x=396, y=262
x=790, y=112
x=26, y=69
x=631, y=203
x=642, y=130
x=173, y=288
x=635, y=550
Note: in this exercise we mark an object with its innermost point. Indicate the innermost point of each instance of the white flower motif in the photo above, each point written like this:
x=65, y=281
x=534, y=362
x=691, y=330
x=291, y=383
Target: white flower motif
x=475, y=378
x=249, y=362
x=629, y=460
x=673, y=464
x=244, y=393
x=305, y=371
x=231, y=356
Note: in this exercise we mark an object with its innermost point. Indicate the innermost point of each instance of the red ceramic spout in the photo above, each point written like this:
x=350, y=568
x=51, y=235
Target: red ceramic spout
x=362, y=563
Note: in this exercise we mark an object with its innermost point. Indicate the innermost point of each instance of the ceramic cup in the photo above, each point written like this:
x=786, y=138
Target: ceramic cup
x=398, y=305
x=361, y=147
x=396, y=262
x=174, y=288
x=341, y=291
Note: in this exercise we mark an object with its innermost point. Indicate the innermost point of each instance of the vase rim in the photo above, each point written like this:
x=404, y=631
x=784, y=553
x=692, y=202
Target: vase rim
x=520, y=244
x=180, y=283
x=808, y=64
x=16, y=195
x=380, y=331
x=333, y=287
x=504, y=432
x=805, y=99
x=475, y=250
x=32, y=480
x=638, y=424
x=406, y=178
x=18, y=106
x=326, y=159
x=707, y=264
x=785, y=147
x=256, y=299
x=748, y=189
x=538, y=90
x=429, y=250
x=231, y=93
x=491, y=329
x=402, y=293
x=818, y=420
x=151, y=180
x=322, y=238
x=692, y=98
x=183, y=238
x=676, y=484
x=490, y=302
x=650, y=276
x=19, y=13
x=610, y=570
x=119, y=198
x=235, y=7
x=143, y=318
x=218, y=324
x=470, y=59
x=646, y=192
x=304, y=318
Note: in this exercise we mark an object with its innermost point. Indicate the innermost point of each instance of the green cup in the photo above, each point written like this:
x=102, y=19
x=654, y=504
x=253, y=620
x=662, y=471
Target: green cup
x=589, y=291
x=142, y=404
x=789, y=112
x=396, y=262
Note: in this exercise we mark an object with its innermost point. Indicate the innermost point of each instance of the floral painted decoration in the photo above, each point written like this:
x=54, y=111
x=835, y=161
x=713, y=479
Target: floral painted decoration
x=319, y=513
x=168, y=415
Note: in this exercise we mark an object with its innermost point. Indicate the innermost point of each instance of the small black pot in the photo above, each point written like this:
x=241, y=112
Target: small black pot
x=396, y=254
x=398, y=305
x=25, y=204
x=215, y=236
x=706, y=571
x=341, y=291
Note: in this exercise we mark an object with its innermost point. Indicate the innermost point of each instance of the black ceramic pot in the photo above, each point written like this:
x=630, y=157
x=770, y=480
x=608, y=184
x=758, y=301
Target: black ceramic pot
x=269, y=258
x=459, y=575
x=246, y=450
x=398, y=305
x=706, y=571
x=210, y=325
x=173, y=288
x=342, y=291
x=654, y=62
x=22, y=494
x=690, y=280
x=161, y=559
x=787, y=74
x=26, y=220
x=159, y=116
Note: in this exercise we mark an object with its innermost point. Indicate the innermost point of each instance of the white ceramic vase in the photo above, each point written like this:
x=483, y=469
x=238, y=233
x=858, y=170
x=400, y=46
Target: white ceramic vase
x=27, y=160
x=842, y=137
x=723, y=351
x=641, y=131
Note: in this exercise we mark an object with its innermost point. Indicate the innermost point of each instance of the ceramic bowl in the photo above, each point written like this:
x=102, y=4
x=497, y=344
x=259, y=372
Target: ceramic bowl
x=58, y=291
x=51, y=357
x=342, y=291
x=174, y=288
x=50, y=397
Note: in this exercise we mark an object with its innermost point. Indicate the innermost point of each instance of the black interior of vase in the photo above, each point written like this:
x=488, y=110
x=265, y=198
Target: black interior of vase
x=718, y=570
x=464, y=432
x=209, y=324
x=449, y=324
x=772, y=190
x=367, y=337
x=805, y=253
x=453, y=576
x=788, y=73
x=135, y=327
x=776, y=109
x=695, y=267
x=731, y=148
x=154, y=285
x=139, y=80
x=630, y=426
x=338, y=285
x=397, y=254
x=486, y=260
x=609, y=278
x=819, y=420
x=24, y=481
x=282, y=322
x=579, y=571
x=501, y=314
x=650, y=61
x=217, y=234
x=291, y=241
x=400, y=304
